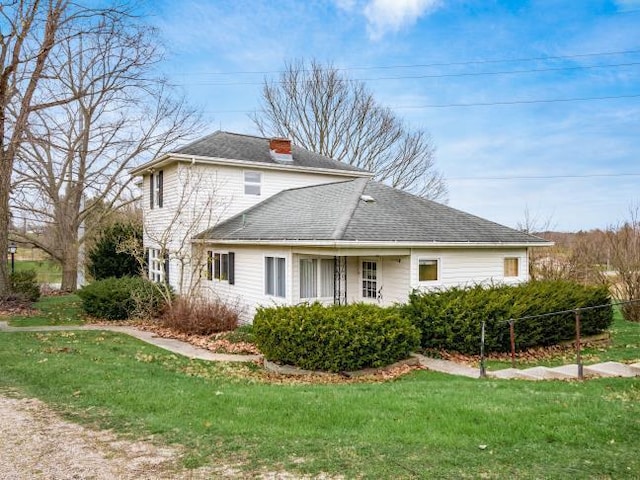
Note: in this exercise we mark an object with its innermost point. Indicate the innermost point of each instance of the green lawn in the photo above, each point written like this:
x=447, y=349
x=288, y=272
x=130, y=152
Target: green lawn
x=425, y=425
x=58, y=310
x=625, y=348
x=47, y=271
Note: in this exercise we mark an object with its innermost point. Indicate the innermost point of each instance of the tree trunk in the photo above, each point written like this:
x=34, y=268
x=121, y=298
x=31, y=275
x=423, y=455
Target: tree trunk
x=70, y=267
x=5, y=185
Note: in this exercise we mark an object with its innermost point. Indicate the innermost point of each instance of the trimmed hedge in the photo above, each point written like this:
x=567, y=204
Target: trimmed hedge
x=121, y=298
x=451, y=319
x=335, y=338
x=25, y=283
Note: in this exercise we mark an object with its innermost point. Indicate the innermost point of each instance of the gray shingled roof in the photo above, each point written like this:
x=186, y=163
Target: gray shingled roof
x=337, y=211
x=256, y=149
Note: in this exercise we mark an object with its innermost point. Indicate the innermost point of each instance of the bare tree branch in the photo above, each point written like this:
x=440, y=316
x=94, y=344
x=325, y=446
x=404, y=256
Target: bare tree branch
x=327, y=113
x=106, y=110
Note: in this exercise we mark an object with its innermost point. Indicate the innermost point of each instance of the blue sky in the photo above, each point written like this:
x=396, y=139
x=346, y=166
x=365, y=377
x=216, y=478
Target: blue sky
x=433, y=62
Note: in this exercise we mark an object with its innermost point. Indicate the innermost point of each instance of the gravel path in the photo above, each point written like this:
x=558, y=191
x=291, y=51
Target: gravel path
x=35, y=443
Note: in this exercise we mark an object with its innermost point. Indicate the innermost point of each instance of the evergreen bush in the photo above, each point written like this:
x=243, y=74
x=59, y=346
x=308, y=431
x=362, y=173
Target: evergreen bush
x=105, y=259
x=335, y=338
x=121, y=298
x=451, y=319
x=25, y=284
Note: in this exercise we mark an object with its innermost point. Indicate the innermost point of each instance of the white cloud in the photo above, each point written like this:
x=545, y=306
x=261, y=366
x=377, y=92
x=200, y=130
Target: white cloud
x=628, y=4
x=385, y=16
x=348, y=5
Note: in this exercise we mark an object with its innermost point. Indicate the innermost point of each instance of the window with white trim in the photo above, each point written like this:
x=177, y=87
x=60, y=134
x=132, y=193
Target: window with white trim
x=369, y=279
x=511, y=267
x=275, y=272
x=156, y=266
x=252, y=182
x=428, y=270
x=317, y=277
x=221, y=266
x=156, y=184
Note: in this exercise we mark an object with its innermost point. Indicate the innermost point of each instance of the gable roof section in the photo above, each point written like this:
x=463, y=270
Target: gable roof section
x=343, y=212
x=248, y=148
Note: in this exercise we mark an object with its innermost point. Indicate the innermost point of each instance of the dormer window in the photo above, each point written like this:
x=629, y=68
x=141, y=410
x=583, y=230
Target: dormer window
x=252, y=183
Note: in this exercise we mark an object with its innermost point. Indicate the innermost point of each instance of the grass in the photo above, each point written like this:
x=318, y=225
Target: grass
x=47, y=271
x=625, y=348
x=57, y=310
x=425, y=425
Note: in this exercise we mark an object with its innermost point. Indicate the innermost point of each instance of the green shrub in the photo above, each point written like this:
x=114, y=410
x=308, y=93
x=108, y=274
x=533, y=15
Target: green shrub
x=451, y=319
x=25, y=284
x=121, y=298
x=336, y=338
x=106, y=259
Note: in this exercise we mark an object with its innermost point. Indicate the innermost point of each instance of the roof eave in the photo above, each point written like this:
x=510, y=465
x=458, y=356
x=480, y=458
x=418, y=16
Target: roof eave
x=370, y=244
x=169, y=158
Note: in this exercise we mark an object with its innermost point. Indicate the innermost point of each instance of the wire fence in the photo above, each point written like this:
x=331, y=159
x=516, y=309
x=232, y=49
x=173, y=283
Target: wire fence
x=578, y=340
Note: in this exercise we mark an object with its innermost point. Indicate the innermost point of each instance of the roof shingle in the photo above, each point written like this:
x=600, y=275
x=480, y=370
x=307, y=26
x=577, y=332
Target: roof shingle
x=237, y=146
x=342, y=212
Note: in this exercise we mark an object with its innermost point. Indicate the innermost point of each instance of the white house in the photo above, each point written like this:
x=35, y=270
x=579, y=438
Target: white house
x=260, y=222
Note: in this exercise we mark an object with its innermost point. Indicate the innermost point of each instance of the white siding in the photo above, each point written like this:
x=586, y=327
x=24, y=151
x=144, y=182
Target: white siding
x=468, y=266
x=197, y=197
x=393, y=278
x=397, y=274
x=248, y=292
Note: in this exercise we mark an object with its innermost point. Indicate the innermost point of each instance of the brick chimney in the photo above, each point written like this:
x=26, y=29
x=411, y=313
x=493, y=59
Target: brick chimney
x=280, y=150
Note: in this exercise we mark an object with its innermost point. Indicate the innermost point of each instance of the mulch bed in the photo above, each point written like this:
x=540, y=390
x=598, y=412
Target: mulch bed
x=532, y=355
x=15, y=307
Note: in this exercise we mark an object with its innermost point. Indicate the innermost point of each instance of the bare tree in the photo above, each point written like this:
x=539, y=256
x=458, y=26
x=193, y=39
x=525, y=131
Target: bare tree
x=73, y=163
x=623, y=249
x=324, y=111
x=27, y=35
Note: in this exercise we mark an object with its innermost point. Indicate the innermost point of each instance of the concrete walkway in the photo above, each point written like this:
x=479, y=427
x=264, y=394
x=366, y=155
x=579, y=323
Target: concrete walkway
x=170, y=344
x=564, y=372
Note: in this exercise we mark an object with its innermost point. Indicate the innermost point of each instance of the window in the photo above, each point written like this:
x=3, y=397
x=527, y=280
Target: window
x=221, y=266
x=327, y=277
x=155, y=189
x=158, y=266
x=308, y=278
x=369, y=279
x=511, y=267
x=316, y=277
x=427, y=270
x=274, y=276
x=252, y=183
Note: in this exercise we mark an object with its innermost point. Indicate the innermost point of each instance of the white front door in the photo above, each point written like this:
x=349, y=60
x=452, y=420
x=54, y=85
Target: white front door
x=371, y=285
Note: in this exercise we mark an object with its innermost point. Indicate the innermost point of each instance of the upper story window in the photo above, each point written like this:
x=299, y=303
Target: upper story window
x=428, y=270
x=252, y=182
x=511, y=267
x=156, y=181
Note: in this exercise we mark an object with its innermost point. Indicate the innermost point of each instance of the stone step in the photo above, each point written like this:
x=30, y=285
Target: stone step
x=612, y=369
x=635, y=367
x=571, y=370
x=512, y=373
x=545, y=373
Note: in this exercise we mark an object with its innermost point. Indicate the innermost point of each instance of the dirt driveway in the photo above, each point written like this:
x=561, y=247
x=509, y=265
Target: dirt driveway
x=35, y=443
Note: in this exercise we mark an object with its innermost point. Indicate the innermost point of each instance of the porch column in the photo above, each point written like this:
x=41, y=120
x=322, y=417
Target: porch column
x=340, y=280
